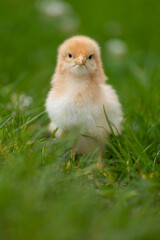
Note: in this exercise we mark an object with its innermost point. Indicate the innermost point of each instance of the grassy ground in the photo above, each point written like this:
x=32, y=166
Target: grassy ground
x=39, y=197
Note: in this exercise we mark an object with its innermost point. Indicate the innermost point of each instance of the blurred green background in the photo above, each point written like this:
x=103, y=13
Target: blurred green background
x=39, y=197
x=30, y=35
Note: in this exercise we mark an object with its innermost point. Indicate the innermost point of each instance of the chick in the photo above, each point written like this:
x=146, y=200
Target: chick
x=79, y=95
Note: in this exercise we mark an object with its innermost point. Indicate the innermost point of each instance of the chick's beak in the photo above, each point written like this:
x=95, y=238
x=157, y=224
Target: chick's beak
x=80, y=60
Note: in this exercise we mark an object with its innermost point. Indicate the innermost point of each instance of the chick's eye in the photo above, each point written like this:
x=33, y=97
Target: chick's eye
x=69, y=55
x=90, y=56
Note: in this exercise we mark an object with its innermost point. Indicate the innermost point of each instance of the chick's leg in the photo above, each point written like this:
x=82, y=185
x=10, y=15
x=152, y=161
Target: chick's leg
x=72, y=153
x=53, y=127
x=99, y=162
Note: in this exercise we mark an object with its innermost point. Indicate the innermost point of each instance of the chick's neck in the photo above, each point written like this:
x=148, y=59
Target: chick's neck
x=82, y=82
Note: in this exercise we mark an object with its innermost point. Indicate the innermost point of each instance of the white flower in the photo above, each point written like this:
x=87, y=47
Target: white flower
x=61, y=13
x=116, y=47
x=22, y=101
x=55, y=9
x=25, y=101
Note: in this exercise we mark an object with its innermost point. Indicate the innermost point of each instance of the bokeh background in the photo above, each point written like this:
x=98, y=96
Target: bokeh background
x=40, y=196
x=31, y=31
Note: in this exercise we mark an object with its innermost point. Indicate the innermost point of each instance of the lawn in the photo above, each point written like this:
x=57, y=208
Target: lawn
x=43, y=194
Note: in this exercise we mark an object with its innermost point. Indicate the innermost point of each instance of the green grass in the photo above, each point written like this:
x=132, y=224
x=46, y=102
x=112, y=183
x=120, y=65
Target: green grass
x=39, y=197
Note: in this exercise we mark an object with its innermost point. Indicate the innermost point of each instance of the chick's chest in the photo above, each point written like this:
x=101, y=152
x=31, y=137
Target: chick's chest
x=75, y=108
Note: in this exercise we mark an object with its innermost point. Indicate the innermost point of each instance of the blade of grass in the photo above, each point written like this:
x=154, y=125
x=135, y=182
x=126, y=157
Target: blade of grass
x=30, y=121
x=5, y=122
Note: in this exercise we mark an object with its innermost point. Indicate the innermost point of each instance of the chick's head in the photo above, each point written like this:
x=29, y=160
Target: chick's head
x=80, y=56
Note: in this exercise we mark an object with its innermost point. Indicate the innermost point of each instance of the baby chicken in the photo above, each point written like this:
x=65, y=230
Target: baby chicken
x=79, y=95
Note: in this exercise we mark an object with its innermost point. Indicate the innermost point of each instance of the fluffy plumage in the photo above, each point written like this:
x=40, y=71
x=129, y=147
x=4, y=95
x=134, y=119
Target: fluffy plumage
x=78, y=95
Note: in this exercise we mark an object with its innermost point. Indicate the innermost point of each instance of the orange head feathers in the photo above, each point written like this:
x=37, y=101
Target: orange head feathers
x=79, y=57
